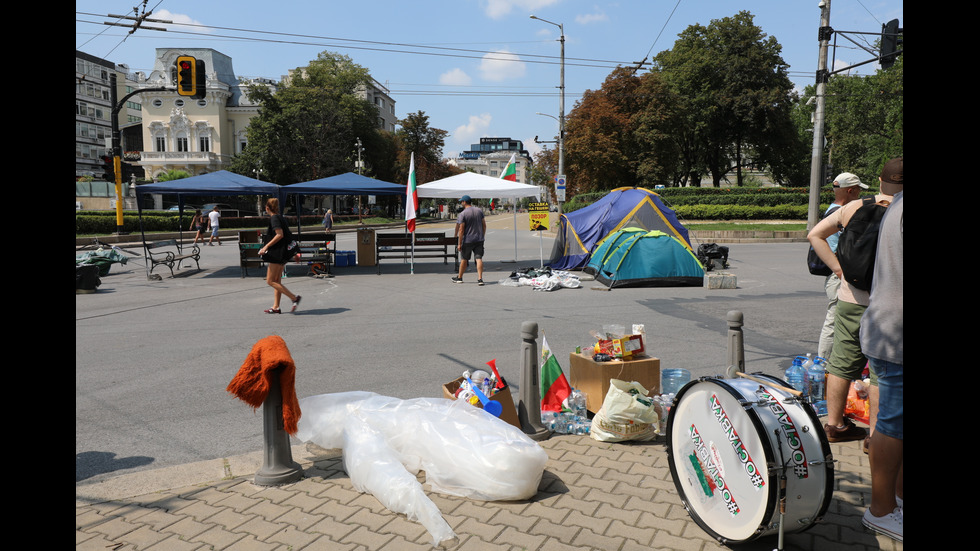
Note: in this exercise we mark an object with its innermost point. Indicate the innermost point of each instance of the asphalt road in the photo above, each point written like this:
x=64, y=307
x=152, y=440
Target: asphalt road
x=153, y=358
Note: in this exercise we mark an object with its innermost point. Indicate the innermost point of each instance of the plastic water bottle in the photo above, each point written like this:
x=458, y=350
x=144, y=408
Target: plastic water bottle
x=672, y=380
x=817, y=379
x=796, y=375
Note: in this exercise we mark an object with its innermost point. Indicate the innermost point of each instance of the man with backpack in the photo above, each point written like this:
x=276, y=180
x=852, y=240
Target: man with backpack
x=847, y=187
x=855, y=248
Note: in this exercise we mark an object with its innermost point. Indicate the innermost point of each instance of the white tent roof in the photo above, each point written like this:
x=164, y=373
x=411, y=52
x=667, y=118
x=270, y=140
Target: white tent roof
x=476, y=186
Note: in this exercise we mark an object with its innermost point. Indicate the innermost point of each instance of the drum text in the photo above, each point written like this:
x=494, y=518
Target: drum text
x=793, y=440
x=736, y=442
x=712, y=470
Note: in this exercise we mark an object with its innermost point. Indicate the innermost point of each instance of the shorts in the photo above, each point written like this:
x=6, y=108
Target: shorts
x=214, y=231
x=891, y=398
x=475, y=247
x=846, y=359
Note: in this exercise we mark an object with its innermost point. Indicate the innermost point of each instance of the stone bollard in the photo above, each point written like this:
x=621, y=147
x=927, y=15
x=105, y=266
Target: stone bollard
x=278, y=466
x=736, y=347
x=529, y=404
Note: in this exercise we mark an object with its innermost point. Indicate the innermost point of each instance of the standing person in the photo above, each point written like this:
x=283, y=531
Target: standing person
x=846, y=360
x=847, y=187
x=328, y=220
x=214, y=218
x=471, y=229
x=197, y=223
x=276, y=241
x=882, y=339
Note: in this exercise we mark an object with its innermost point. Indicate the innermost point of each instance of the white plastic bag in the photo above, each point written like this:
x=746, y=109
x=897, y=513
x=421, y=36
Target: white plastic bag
x=463, y=450
x=625, y=415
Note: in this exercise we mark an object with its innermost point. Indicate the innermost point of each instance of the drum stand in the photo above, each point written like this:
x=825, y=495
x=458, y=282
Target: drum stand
x=782, y=492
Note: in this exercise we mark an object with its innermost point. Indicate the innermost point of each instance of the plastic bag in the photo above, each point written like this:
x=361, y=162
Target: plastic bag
x=626, y=414
x=463, y=450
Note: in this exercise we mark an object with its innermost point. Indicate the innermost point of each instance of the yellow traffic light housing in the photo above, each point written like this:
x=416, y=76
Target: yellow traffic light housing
x=190, y=77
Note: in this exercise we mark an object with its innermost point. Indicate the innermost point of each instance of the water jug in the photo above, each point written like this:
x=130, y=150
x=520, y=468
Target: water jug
x=796, y=375
x=671, y=380
x=817, y=385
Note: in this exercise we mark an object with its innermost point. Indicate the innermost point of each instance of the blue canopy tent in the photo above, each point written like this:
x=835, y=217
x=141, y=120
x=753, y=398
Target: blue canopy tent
x=221, y=182
x=349, y=183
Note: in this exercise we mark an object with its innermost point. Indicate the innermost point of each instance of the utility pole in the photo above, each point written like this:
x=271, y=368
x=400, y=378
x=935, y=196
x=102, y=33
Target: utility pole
x=816, y=161
x=560, y=194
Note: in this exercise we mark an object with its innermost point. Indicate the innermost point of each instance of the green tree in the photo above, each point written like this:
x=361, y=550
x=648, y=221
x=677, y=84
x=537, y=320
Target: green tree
x=736, y=94
x=415, y=135
x=308, y=128
x=173, y=174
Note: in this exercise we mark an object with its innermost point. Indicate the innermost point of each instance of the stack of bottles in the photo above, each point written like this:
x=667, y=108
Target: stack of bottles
x=809, y=376
x=573, y=420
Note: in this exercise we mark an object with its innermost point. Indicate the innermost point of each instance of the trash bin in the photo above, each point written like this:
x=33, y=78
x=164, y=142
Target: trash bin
x=366, y=247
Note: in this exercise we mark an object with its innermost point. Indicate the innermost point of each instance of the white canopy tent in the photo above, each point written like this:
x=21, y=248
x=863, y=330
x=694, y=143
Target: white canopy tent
x=478, y=186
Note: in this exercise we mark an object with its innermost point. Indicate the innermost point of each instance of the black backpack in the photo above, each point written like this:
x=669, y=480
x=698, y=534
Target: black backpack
x=813, y=262
x=858, y=243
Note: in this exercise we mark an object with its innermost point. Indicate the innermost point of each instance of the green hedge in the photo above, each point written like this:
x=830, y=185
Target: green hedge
x=104, y=222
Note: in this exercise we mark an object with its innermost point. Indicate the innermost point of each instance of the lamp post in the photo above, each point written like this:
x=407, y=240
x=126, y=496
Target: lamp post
x=561, y=110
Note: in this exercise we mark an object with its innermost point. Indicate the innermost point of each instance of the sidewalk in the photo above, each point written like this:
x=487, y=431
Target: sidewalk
x=593, y=496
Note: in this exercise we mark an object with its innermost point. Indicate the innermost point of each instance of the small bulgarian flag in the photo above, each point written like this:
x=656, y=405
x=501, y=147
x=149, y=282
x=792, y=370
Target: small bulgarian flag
x=554, y=386
x=510, y=171
x=411, y=197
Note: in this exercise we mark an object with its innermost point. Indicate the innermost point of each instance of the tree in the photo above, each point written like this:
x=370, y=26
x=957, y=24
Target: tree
x=416, y=136
x=173, y=174
x=737, y=97
x=308, y=128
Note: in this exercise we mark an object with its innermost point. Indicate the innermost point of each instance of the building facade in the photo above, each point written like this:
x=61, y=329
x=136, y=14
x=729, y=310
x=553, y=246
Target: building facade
x=491, y=155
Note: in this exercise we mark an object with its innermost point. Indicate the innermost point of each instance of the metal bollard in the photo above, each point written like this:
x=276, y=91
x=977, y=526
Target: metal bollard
x=529, y=403
x=736, y=347
x=278, y=466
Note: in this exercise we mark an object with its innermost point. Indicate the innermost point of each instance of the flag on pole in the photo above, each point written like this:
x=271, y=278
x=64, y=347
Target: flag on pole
x=411, y=197
x=510, y=171
x=554, y=386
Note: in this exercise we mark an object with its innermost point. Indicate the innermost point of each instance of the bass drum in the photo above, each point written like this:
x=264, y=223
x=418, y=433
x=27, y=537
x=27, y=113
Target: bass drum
x=726, y=440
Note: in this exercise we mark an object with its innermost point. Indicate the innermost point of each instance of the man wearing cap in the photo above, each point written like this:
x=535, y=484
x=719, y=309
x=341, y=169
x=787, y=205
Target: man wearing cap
x=846, y=360
x=471, y=228
x=847, y=187
x=882, y=339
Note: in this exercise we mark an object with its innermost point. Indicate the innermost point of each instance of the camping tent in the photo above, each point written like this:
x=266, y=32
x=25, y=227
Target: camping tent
x=635, y=257
x=480, y=187
x=581, y=230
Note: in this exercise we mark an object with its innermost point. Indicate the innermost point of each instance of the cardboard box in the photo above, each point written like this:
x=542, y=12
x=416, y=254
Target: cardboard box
x=592, y=378
x=509, y=413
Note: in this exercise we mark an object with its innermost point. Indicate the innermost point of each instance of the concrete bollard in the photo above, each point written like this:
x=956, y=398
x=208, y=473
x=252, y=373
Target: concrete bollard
x=529, y=403
x=736, y=347
x=278, y=466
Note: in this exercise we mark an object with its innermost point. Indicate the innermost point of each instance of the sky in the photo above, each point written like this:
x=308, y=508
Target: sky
x=476, y=68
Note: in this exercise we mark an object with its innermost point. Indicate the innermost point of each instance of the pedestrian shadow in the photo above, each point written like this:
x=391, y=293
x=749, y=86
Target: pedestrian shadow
x=89, y=464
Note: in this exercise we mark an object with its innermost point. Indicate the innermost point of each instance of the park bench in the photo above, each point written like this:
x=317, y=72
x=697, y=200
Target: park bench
x=427, y=245
x=169, y=253
x=317, y=250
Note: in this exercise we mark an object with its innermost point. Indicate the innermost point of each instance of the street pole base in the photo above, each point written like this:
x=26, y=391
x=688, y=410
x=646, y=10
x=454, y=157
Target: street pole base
x=277, y=475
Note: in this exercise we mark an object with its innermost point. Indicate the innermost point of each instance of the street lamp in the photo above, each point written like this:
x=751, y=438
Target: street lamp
x=561, y=109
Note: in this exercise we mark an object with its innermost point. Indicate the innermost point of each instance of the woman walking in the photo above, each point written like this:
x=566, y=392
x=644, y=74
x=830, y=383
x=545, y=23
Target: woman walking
x=197, y=223
x=274, y=254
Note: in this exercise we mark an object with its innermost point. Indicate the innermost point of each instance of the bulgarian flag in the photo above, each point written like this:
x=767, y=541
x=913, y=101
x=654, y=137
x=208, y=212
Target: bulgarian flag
x=411, y=197
x=554, y=386
x=510, y=171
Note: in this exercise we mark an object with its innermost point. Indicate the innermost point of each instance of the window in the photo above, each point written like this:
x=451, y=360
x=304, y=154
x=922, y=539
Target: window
x=182, y=144
x=205, y=143
x=161, y=144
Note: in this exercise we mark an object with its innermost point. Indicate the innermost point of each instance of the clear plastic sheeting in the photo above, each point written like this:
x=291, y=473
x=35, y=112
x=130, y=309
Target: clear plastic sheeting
x=386, y=442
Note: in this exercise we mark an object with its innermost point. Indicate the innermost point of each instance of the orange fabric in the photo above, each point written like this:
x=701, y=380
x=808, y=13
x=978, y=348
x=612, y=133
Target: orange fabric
x=251, y=383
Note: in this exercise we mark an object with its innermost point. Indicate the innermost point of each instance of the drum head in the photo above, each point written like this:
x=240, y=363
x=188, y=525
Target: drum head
x=723, y=456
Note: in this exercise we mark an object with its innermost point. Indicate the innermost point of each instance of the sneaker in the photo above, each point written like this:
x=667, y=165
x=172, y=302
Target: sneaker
x=457, y=279
x=867, y=444
x=479, y=282
x=296, y=303
x=889, y=525
x=848, y=433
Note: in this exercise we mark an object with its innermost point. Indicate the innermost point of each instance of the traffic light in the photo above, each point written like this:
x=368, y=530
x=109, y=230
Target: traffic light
x=108, y=168
x=190, y=77
x=890, y=42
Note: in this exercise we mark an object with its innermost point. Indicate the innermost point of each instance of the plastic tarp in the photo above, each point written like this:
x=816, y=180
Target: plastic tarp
x=635, y=257
x=349, y=183
x=580, y=231
x=476, y=186
x=463, y=450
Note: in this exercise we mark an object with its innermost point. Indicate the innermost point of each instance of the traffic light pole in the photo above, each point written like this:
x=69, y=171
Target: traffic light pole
x=117, y=143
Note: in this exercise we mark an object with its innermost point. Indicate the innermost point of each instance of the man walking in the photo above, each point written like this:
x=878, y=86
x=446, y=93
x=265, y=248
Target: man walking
x=471, y=229
x=213, y=220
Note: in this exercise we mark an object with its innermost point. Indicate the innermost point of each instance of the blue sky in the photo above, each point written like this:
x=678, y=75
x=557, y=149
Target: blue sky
x=477, y=68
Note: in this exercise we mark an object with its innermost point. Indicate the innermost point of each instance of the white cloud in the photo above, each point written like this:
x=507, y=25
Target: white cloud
x=596, y=17
x=178, y=19
x=498, y=9
x=455, y=77
x=502, y=65
x=475, y=128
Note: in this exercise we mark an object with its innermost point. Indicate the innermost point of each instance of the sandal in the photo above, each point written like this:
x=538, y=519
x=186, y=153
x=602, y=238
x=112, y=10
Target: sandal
x=296, y=303
x=273, y=311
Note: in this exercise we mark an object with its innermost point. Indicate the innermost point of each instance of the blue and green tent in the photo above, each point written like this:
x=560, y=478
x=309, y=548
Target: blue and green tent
x=635, y=257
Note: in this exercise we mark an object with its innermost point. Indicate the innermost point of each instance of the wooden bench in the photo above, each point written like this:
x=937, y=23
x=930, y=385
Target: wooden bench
x=169, y=253
x=316, y=252
x=427, y=245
